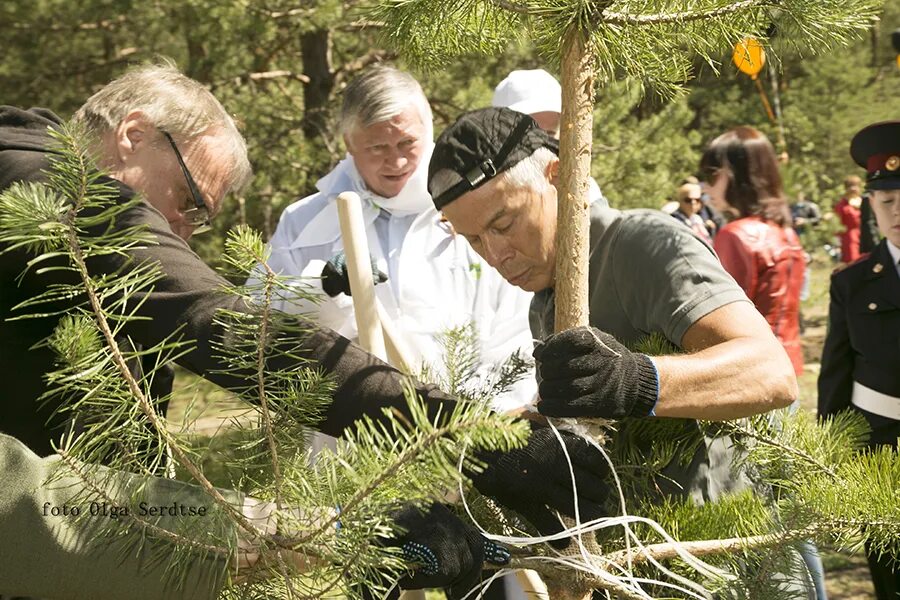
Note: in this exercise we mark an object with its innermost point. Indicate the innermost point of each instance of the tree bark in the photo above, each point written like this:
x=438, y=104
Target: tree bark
x=576, y=137
x=573, y=226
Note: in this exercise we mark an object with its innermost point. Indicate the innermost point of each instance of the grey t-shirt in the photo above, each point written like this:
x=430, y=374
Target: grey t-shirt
x=650, y=274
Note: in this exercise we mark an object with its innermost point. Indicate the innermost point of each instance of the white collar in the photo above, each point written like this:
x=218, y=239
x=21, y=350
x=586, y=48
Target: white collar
x=895, y=254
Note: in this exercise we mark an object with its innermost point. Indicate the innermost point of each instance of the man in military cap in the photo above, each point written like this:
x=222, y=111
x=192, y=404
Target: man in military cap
x=861, y=357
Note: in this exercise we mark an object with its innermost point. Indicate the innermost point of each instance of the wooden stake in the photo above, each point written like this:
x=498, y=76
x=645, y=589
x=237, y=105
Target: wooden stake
x=359, y=267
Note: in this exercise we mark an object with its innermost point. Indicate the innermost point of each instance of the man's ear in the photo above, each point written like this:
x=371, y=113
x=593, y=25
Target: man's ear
x=553, y=172
x=133, y=133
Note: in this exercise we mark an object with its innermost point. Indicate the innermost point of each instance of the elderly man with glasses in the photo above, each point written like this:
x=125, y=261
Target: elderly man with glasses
x=164, y=137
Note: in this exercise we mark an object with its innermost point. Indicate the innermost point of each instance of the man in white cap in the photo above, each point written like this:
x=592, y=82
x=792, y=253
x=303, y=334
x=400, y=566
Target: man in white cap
x=538, y=94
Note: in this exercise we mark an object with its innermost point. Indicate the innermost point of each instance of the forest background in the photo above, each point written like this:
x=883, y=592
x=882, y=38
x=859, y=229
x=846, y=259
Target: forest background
x=279, y=66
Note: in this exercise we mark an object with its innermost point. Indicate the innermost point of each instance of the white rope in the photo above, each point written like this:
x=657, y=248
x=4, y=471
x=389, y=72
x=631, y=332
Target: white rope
x=588, y=563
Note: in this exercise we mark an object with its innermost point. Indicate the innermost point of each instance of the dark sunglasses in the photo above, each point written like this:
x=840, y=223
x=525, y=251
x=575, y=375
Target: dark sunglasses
x=197, y=217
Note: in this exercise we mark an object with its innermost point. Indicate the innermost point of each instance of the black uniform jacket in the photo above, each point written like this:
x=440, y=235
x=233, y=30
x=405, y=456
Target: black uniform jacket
x=863, y=341
x=185, y=300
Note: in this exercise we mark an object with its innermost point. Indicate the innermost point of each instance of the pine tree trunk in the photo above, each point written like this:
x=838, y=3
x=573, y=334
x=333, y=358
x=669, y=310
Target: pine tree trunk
x=576, y=136
x=571, y=285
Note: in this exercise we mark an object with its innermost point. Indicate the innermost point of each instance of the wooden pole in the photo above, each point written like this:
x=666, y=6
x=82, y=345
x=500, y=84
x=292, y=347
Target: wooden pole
x=365, y=304
x=353, y=231
x=398, y=353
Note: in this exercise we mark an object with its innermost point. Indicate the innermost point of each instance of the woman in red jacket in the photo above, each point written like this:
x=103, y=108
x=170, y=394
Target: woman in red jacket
x=758, y=247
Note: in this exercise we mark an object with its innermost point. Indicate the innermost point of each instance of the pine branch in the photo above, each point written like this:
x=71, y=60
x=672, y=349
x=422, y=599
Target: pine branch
x=666, y=551
x=267, y=76
x=407, y=456
x=520, y=9
x=616, y=18
x=261, y=381
x=79, y=262
x=103, y=24
x=735, y=427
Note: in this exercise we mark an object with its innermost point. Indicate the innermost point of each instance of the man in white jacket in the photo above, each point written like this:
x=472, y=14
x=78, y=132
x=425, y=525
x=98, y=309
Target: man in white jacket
x=435, y=281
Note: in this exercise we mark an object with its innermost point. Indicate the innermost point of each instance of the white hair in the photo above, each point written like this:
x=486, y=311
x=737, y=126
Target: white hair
x=529, y=173
x=173, y=103
x=379, y=94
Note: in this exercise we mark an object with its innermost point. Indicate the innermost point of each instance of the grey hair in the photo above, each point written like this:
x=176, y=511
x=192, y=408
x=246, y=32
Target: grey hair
x=379, y=94
x=172, y=102
x=530, y=173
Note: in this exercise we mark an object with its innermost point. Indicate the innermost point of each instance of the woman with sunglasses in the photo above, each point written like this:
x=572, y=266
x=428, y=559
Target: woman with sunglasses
x=758, y=247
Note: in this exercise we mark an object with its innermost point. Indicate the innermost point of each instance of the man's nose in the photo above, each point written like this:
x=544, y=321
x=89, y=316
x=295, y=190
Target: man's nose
x=496, y=250
x=397, y=159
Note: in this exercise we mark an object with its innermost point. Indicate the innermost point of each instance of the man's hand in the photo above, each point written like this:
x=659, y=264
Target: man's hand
x=336, y=279
x=446, y=552
x=585, y=372
x=535, y=480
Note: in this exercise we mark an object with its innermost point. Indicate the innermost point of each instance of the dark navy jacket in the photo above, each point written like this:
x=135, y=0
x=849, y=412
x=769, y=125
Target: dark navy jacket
x=863, y=341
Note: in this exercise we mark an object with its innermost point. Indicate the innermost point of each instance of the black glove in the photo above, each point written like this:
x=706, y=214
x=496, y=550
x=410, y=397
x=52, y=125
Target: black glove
x=587, y=373
x=448, y=552
x=336, y=279
x=534, y=480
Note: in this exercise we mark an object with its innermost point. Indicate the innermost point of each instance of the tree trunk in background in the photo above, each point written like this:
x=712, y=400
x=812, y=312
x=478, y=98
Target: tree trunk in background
x=315, y=48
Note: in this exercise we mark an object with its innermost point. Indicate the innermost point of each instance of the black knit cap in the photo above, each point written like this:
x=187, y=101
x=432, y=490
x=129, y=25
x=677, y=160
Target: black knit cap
x=480, y=145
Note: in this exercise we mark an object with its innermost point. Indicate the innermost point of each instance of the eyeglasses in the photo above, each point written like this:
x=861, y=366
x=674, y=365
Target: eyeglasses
x=691, y=200
x=197, y=217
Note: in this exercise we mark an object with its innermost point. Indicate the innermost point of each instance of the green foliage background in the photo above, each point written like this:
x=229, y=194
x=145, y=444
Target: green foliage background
x=280, y=66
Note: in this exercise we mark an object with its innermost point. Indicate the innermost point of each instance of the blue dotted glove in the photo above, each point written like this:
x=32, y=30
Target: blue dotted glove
x=444, y=551
x=336, y=278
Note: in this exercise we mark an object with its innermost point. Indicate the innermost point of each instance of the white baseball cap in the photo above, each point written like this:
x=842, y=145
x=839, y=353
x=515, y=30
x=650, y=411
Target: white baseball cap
x=529, y=91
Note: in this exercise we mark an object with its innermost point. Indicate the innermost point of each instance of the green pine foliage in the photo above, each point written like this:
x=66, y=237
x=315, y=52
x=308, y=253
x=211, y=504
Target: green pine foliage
x=105, y=382
x=255, y=57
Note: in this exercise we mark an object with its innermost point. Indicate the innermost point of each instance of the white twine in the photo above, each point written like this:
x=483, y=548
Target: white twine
x=585, y=561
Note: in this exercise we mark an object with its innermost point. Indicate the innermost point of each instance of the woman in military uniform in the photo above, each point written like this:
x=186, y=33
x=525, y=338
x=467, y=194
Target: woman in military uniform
x=861, y=358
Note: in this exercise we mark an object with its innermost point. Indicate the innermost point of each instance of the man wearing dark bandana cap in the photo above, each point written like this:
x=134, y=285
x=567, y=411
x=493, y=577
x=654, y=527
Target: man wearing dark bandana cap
x=493, y=175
